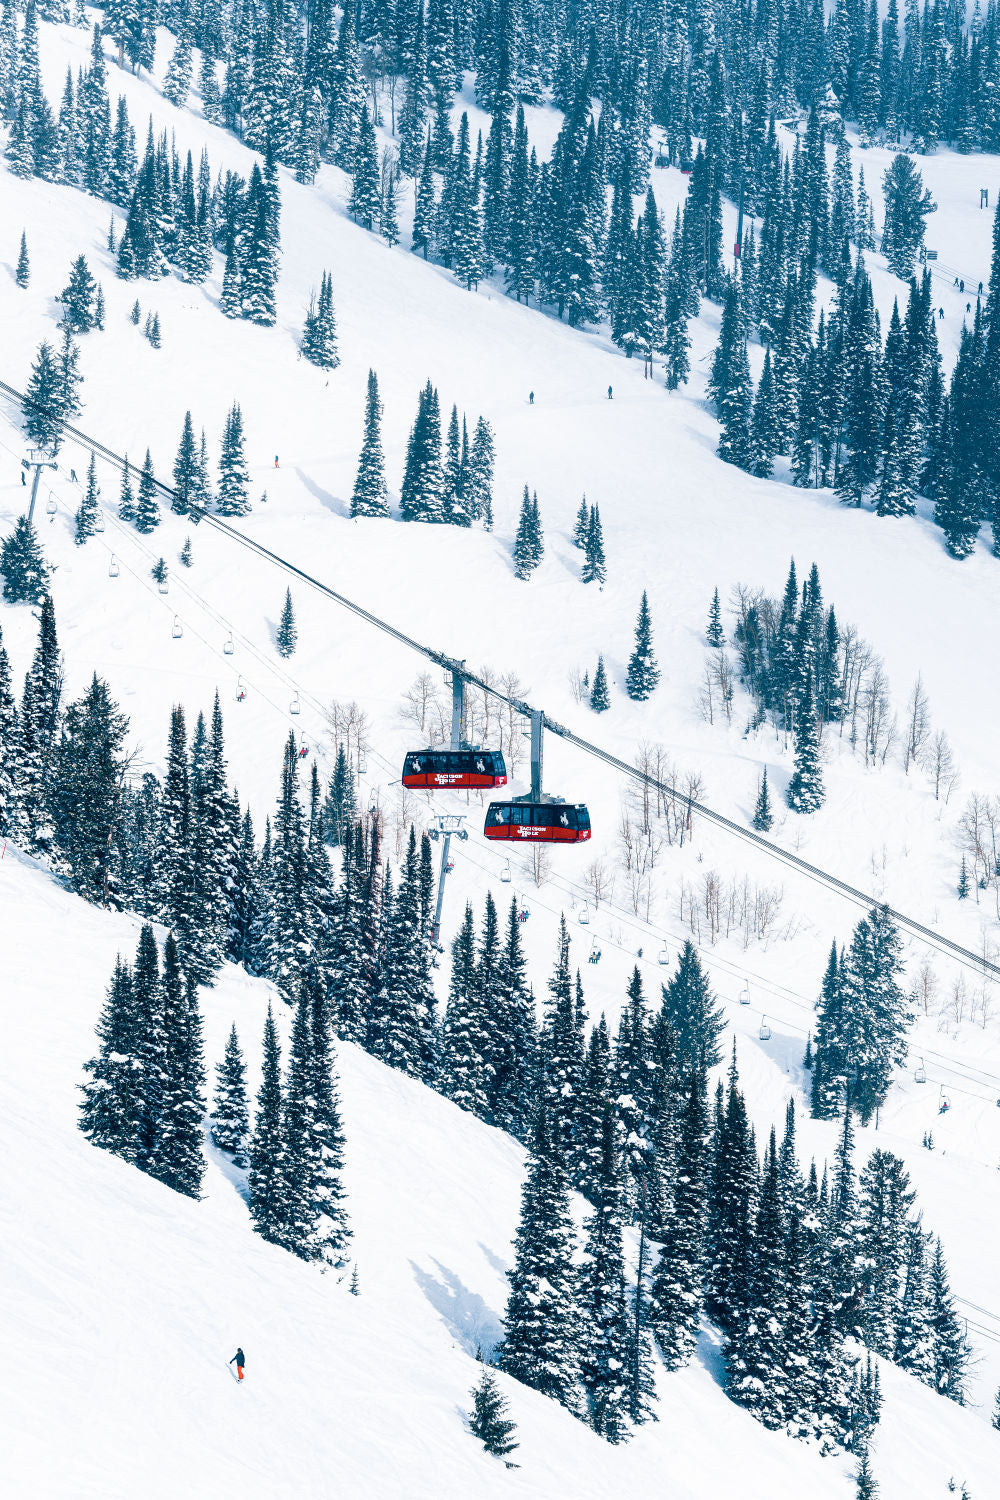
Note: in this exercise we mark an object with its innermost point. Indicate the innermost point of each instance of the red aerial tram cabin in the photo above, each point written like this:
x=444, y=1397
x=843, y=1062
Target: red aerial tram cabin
x=538, y=822
x=453, y=770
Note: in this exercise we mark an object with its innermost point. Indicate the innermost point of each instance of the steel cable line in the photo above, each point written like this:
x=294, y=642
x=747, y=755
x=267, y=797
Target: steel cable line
x=925, y=934
x=814, y=872
x=770, y=986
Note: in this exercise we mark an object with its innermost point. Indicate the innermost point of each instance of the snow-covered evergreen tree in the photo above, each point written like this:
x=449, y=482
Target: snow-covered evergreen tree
x=907, y=204
x=540, y=1328
x=466, y=1044
x=594, y=567
x=44, y=406
x=22, y=273
x=714, y=633
x=332, y=1233
x=489, y=1421
x=600, y=700
x=763, y=816
x=365, y=201
x=528, y=542
x=806, y=792
x=952, y=1354
x=178, y=1156
x=479, y=475
x=371, y=494
x=84, y=793
x=109, y=1110
x=78, y=297
x=678, y=1277
x=605, y=1325
x=319, y=335
x=147, y=510
x=26, y=574
x=230, y=1115
x=643, y=674
x=234, y=476
x=693, y=1011
x=177, y=82
x=287, y=636
x=266, y=1147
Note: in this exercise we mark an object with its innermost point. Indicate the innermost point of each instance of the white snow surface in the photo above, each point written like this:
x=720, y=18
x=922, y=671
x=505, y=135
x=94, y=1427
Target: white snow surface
x=124, y=1301
x=127, y=1298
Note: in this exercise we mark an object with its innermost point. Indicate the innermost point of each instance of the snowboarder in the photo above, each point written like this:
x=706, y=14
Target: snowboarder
x=961, y=285
x=239, y=1361
x=531, y=398
x=940, y=312
x=610, y=394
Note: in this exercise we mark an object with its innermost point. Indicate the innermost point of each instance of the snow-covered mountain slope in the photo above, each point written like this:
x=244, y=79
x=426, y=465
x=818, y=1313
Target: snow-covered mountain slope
x=124, y=1301
x=677, y=522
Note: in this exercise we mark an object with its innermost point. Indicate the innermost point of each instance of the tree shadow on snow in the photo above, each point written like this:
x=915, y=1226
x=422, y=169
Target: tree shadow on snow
x=464, y=1313
x=338, y=507
x=709, y=1352
x=492, y=1259
x=234, y=1175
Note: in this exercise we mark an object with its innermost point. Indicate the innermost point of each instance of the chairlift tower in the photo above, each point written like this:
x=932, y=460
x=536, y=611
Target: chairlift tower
x=38, y=459
x=449, y=825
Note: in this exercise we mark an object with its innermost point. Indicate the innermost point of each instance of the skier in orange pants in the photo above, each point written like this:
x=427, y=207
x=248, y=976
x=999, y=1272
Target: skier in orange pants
x=239, y=1361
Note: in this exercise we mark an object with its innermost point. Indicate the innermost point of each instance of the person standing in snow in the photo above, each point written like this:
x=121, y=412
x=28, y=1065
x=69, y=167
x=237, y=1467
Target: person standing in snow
x=610, y=394
x=239, y=1361
x=531, y=398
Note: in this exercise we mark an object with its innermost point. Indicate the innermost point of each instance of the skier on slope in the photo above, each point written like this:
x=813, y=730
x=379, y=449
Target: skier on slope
x=239, y=1361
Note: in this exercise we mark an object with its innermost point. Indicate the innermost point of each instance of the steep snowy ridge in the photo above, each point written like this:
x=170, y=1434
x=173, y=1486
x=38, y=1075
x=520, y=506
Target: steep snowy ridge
x=125, y=1300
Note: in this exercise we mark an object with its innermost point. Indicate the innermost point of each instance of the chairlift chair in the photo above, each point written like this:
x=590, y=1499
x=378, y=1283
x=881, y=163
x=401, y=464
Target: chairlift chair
x=98, y=522
x=50, y=505
x=228, y=645
x=178, y=629
x=944, y=1103
x=663, y=957
x=362, y=763
x=113, y=568
x=505, y=873
x=162, y=585
x=920, y=1073
x=745, y=995
x=584, y=917
x=295, y=707
x=241, y=691
x=765, y=1031
x=449, y=866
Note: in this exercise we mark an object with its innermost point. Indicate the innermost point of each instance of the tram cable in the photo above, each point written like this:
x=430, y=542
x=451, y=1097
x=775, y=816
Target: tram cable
x=979, y=963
